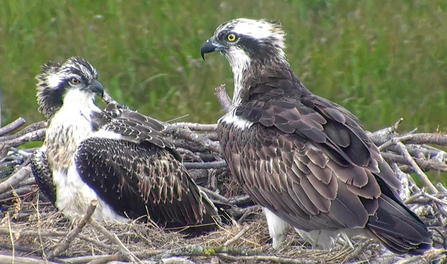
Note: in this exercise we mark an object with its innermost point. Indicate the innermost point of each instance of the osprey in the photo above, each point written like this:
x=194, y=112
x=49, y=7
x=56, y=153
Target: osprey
x=116, y=156
x=305, y=159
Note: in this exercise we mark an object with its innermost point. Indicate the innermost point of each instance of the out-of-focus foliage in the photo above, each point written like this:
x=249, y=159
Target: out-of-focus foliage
x=381, y=59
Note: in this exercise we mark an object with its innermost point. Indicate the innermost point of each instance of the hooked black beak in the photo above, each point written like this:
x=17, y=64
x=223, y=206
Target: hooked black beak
x=97, y=88
x=208, y=47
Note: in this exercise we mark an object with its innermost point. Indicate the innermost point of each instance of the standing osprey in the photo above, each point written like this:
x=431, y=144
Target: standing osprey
x=305, y=159
x=116, y=156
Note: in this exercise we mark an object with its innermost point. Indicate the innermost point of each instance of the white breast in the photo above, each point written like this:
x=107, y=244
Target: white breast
x=74, y=197
x=68, y=128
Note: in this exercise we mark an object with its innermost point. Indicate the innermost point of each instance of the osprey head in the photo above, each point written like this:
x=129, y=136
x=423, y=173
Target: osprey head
x=56, y=81
x=243, y=41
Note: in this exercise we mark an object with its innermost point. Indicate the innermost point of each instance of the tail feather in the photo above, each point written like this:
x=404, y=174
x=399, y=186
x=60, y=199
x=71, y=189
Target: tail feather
x=399, y=229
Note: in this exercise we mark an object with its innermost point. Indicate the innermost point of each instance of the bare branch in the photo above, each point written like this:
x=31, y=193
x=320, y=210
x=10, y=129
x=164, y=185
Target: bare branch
x=424, y=164
x=37, y=135
x=65, y=243
x=29, y=129
x=23, y=260
x=237, y=236
x=15, y=178
x=12, y=126
x=223, y=98
x=205, y=165
x=268, y=259
x=202, y=140
x=113, y=238
x=418, y=170
x=196, y=126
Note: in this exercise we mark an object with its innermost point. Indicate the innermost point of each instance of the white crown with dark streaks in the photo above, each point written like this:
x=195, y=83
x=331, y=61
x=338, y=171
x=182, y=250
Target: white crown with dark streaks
x=52, y=82
x=262, y=30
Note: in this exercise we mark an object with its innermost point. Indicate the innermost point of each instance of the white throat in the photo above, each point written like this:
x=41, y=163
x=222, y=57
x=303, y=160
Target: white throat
x=74, y=115
x=239, y=62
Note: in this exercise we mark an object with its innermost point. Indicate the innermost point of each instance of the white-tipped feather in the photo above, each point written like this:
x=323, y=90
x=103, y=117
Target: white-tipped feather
x=231, y=118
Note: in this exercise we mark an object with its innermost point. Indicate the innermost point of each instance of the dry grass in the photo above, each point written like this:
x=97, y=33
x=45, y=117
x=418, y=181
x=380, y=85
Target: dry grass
x=31, y=231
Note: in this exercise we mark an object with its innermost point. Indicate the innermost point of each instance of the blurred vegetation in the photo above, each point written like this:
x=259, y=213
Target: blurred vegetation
x=381, y=59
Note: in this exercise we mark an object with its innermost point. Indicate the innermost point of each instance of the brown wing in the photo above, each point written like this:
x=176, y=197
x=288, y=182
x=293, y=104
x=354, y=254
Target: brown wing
x=141, y=173
x=304, y=158
x=135, y=127
x=296, y=180
x=143, y=179
x=309, y=161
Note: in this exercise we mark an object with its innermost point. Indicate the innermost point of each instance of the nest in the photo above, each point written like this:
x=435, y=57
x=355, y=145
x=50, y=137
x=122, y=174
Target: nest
x=32, y=231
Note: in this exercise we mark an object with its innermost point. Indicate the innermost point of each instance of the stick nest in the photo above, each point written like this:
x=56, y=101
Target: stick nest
x=32, y=231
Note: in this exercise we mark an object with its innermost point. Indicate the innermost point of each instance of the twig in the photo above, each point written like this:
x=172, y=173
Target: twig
x=223, y=98
x=205, y=165
x=268, y=259
x=214, y=195
x=21, y=248
x=81, y=259
x=14, y=141
x=196, y=126
x=9, y=164
x=393, y=141
x=428, y=138
x=358, y=250
x=104, y=259
x=424, y=164
x=11, y=238
x=236, y=211
x=113, y=238
x=31, y=128
x=11, y=194
x=428, y=257
x=12, y=126
x=4, y=231
x=65, y=243
x=238, y=200
x=237, y=236
x=416, y=168
x=441, y=188
x=436, y=199
x=248, y=211
x=15, y=178
x=23, y=260
x=202, y=140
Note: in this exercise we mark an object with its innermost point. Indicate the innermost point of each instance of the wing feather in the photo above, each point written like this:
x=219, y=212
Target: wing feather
x=289, y=166
x=42, y=174
x=135, y=127
x=321, y=169
x=132, y=177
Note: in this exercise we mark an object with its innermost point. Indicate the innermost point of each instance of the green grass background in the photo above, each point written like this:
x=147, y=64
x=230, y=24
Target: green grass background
x=380, y=59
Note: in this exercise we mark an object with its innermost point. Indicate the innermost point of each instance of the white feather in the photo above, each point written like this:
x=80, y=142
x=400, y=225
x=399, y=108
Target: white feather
x=326, y=239
x=323, y=239
x=257, y=29
x=106, y=134
x=277, y=228
x=54, y=80
x=73, y=196
x=237, y=121
x=239, y=62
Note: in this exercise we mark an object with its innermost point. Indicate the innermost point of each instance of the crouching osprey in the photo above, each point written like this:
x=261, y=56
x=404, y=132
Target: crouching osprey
x=116, y=156
x=305, y=159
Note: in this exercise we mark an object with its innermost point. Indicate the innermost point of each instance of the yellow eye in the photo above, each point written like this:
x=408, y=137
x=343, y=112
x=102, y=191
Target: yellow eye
x=75, y=81
x=231, y=37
